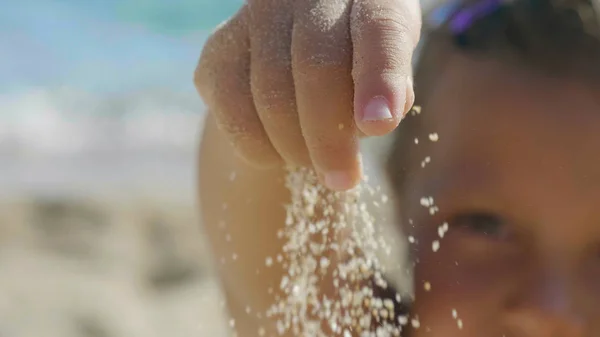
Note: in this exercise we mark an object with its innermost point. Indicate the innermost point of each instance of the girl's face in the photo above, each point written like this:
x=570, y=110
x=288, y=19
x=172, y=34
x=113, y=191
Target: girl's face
x=516, y=175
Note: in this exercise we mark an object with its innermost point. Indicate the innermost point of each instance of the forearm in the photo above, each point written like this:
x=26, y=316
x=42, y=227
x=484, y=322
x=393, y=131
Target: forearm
x=242, y=211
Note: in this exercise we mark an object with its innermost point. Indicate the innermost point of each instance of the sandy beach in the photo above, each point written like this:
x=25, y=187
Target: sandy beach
x=105, y=240
x=105, y=269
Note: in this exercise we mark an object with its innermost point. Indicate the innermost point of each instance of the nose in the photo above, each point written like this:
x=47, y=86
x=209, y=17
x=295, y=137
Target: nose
x=545, y=307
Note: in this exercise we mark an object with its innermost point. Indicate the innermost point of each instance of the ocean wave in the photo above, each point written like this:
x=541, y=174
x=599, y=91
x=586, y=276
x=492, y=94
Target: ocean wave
x=65, y=121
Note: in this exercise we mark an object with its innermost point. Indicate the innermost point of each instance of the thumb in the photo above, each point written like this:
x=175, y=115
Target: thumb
x=384, y=36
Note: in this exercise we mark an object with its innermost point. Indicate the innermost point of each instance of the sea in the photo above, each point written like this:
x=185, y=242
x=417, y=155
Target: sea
x=96, y=96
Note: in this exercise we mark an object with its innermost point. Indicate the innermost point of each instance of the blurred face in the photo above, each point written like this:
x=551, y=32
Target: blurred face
x=516, y=176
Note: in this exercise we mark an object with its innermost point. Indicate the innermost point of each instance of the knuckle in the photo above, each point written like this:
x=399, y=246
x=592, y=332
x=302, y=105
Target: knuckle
x=314, y=53
x=276, y=105
x=393, y=25
x=273, y=90
x=202, y=79
x=312, y=68
x=394, y=21
x=320, y=51
x=271, y=46
x=209, y=67
x=223, y=83
x=238, y=124
x=270, y=75
x=394, y=32
x=271, y=55
x=393, y=52
x=223, y=59
x=228, y=125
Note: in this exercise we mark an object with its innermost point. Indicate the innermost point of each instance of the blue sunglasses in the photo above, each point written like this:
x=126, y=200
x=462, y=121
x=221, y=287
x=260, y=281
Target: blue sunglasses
x=460, y=18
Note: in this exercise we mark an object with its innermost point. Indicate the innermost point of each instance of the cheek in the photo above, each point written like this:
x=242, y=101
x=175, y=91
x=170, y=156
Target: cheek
x=460, y=295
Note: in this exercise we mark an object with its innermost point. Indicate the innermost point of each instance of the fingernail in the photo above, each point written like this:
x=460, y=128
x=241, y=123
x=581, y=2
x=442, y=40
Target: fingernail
x=338, y=180
x=378, y=109
x=410, y=96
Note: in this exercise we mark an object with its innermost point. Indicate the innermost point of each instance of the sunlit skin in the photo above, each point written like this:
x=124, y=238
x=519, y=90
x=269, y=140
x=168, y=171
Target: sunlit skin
x=516, y=174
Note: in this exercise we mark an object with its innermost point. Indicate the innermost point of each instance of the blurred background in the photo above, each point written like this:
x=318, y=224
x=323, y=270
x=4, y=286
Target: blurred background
x=99, y=124
x=99, y=128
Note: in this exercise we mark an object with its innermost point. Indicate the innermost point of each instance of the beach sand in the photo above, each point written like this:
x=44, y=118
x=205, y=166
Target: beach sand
x=105, y=243
x=72, y=268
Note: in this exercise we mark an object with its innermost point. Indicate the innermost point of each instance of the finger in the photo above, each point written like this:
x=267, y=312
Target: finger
x=272, y=82
x=223, y=80
x=321, y=62
x=384, y=35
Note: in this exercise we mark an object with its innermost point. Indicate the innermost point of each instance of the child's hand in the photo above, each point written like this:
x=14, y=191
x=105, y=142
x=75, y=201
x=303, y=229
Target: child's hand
x=283, y=77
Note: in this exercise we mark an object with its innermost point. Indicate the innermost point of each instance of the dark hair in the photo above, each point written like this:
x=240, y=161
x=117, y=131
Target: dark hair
x=554, y=37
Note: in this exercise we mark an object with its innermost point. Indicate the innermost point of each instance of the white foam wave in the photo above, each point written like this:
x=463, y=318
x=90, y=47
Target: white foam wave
x=67, y=122
x=68, y=142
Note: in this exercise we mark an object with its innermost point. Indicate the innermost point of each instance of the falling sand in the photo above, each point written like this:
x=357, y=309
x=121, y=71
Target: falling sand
x=331, y=265
x=333, y=277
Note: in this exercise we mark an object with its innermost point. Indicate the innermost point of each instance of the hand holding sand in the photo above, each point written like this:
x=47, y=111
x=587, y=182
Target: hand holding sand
x=299, y=81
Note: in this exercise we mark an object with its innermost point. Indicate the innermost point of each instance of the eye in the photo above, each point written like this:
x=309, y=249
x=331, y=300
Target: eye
x=487, y=225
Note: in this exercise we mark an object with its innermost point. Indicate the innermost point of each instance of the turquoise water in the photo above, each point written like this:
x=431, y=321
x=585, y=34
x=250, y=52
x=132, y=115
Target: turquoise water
x=78, y=76
x=161, y=16
x=104, y=45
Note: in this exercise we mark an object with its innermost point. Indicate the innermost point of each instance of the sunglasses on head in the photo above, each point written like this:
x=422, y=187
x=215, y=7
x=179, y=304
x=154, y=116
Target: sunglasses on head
x=471, y=23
